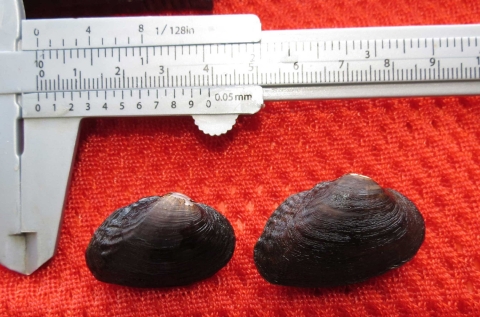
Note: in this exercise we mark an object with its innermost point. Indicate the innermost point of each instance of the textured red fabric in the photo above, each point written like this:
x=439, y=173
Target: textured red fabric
x=426, y=148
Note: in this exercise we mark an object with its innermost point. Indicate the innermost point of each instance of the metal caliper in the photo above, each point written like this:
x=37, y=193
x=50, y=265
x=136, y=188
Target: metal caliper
x=55, y=72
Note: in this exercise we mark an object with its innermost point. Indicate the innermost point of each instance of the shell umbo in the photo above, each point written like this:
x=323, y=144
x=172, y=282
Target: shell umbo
x=339, y=232
x=160, y=241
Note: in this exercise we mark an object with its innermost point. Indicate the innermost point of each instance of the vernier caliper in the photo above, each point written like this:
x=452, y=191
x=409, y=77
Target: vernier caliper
x=53, y=73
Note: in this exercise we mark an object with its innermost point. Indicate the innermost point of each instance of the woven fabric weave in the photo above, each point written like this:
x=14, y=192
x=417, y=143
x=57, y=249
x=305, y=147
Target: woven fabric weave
x=426, y=148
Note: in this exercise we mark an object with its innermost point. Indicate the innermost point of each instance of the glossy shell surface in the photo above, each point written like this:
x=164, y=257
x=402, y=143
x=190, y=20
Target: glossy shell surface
x=160, y=242
x=339, y=232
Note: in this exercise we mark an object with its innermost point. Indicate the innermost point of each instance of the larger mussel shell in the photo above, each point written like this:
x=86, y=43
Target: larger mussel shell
x=339, y=232
x=160, y=241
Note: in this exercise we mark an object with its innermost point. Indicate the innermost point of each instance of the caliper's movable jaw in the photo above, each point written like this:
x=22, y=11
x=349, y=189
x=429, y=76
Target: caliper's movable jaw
x=35, y=161
x=46, y=162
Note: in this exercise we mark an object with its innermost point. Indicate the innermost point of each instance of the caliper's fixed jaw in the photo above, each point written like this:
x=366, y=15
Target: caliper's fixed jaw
x=12, y=241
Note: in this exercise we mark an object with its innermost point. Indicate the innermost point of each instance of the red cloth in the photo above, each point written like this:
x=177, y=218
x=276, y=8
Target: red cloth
x=426, y=148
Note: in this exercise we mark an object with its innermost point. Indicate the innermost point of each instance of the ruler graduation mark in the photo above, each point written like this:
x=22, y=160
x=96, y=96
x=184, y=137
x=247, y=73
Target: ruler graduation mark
x=139, y=102
x=178, y=66
x=181, y=51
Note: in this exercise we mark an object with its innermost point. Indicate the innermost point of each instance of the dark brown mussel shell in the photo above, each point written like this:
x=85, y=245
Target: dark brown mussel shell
x=160, y=242
x=339, y=232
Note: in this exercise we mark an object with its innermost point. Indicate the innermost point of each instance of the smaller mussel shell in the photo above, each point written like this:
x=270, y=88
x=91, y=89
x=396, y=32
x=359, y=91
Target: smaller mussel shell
x=339, y=232
x=160, y=242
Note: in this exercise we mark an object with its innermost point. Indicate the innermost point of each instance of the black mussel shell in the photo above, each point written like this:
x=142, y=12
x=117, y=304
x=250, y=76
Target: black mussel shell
x=159, y=242
x=338, y=233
